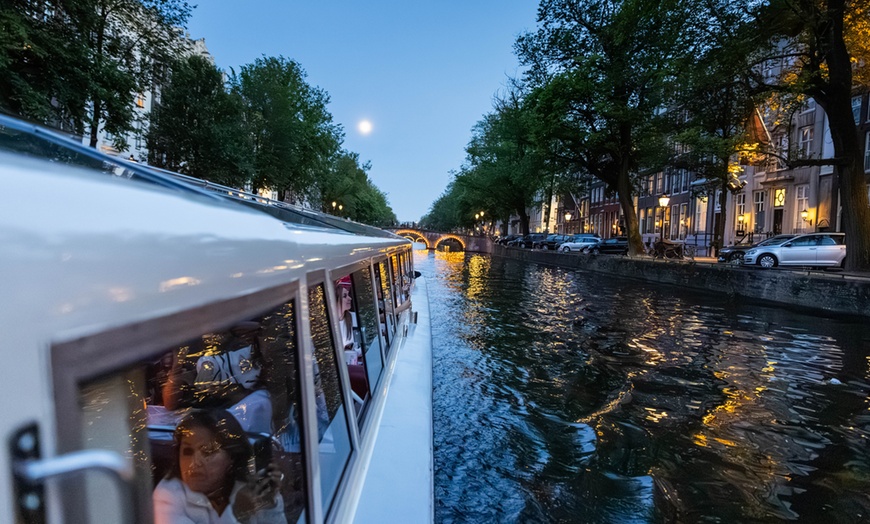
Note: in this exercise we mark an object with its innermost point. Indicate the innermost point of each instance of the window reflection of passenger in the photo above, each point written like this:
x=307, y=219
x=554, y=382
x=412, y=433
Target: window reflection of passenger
x=229, y=380
x=352, y=351
x=209, y=482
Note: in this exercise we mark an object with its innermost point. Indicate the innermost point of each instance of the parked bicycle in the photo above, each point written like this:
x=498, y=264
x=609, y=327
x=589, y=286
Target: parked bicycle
x=669, y=250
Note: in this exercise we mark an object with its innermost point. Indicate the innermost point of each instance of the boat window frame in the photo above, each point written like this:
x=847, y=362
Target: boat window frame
x=82, y=360
x=389, y=309
x=315, y=278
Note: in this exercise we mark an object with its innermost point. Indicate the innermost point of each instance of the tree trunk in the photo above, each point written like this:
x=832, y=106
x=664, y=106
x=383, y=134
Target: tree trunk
x=835, y=97
x=524, y=220
x=626, y=202
x=95, y=122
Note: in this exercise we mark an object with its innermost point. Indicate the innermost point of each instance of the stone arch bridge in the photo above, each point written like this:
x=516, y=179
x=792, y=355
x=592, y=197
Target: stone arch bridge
x=433, y=239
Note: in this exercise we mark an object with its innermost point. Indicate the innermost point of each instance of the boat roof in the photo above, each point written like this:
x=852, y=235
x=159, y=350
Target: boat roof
x=82, y=253
x=34, y=140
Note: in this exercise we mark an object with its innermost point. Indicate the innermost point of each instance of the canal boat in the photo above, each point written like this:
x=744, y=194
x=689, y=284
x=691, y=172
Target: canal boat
x=138, y=317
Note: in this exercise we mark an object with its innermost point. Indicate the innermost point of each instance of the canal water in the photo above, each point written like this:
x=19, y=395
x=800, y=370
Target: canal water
x=564, y=396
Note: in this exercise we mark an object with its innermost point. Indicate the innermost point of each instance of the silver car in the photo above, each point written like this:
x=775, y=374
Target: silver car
x=815, y=249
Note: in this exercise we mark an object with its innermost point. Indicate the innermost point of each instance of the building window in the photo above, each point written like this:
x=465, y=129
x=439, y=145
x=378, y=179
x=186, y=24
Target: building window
x=856, y=109
x=701, y=215
x=759, y=211
x=779, y=197
x=684, y=220
x=685, y=178
x=140, y=101
x=802, y=203
x=806, y=141
x=741, y=204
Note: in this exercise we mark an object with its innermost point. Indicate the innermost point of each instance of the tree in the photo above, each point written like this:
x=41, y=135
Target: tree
x=347, y=182
x=198, y=128
x=598, y=67
x=714, y=115
x=45, y=61
x=126, y=39
x=823, y=47
x=294, y=136
x=505, y=171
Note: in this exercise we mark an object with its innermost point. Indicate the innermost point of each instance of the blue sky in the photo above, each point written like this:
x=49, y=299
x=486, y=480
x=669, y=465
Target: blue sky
x=422, y=72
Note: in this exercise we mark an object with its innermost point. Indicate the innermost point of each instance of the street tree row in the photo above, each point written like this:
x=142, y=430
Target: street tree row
x=80, y=64
x=619, y=89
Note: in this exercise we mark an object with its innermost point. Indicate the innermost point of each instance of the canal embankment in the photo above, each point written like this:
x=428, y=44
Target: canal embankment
x=829, y=291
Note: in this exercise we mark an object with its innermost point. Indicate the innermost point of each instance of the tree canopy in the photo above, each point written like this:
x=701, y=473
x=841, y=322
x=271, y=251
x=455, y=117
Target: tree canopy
x=198, y=128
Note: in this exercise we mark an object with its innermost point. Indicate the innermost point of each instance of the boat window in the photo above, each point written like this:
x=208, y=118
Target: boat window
x=208, y=423
x=350, y=339
x=334, y=446
x=369, y=325
x=397, y=280
x=385, y=305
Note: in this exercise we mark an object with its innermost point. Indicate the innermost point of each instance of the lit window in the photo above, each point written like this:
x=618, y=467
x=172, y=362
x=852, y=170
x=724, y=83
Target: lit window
x=140, y=101
x=779, y=197
x=802, y=200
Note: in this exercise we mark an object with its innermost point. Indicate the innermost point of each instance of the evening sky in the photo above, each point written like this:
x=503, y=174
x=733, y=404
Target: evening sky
x=422, y=72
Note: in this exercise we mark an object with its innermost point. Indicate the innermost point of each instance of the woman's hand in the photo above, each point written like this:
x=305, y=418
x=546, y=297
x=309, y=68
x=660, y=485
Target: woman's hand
x=258, y=493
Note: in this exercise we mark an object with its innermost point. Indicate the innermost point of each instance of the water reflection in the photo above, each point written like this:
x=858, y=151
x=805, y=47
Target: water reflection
x=572, y=397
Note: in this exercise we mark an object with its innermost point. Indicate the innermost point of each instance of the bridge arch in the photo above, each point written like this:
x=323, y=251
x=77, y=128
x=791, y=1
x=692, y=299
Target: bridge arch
x=415, y=236
x=450, y=237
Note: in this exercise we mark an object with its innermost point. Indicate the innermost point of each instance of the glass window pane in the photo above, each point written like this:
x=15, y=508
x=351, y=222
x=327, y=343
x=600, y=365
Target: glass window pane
x=369, y=324
x=205, y=421
x=385, y=306
x=347, y=303
x=334, y=447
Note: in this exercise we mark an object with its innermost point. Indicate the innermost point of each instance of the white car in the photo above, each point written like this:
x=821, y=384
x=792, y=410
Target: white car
x=579, y=243
x=815, y=249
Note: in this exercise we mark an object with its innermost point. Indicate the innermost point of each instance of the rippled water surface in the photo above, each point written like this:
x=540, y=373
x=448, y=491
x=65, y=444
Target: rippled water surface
x=563, y=396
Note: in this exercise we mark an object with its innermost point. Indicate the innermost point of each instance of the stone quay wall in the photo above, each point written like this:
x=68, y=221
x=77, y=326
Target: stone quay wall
x=832, y=292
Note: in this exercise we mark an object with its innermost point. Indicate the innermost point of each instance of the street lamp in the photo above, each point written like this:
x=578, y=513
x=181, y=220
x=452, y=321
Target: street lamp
x=805, y=217
x=663, y=203
x=334, y=203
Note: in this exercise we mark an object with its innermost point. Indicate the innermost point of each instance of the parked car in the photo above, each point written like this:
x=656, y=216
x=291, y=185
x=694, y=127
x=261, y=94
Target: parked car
x=609, y=246
x=813, y=250
x=734, y=254
x=528, y=241
x=508, y=238
x=551, y=241
x=580, y=242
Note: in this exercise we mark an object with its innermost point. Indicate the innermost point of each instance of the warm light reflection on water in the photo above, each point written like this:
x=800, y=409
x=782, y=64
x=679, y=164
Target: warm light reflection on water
x=569, y=397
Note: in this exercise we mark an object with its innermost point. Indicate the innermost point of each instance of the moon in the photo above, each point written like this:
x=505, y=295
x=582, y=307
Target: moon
x=364, y=127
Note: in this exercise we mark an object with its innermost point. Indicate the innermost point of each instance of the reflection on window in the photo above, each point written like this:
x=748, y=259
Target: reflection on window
x=350, y=340
x=334, y=446
x=211, y=422
x=369, y=324
x=384, y=303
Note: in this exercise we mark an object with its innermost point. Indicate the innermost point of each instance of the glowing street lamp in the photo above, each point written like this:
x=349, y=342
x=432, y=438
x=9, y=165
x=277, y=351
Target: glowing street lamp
x=663, y=203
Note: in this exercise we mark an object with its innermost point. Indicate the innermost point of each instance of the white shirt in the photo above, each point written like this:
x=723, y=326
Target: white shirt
x=175, y=503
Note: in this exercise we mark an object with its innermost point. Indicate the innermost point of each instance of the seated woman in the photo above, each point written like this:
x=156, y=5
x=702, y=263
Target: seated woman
x=352, y=351
x=345, y=321
x=209, y=482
